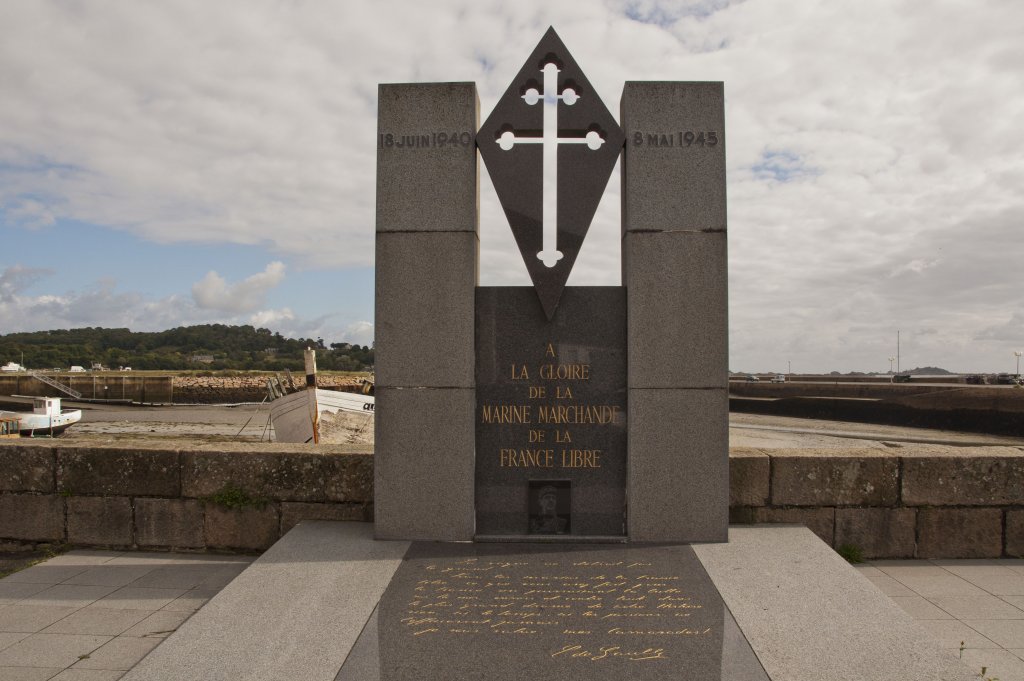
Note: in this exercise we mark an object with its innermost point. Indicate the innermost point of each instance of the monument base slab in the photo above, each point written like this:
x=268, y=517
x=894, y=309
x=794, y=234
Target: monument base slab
x=789, y=609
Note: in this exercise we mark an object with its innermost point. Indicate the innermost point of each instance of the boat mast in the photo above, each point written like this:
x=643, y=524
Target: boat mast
x=314, y=411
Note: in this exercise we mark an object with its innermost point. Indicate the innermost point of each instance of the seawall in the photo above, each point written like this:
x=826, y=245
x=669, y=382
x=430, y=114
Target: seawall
x=910, y=502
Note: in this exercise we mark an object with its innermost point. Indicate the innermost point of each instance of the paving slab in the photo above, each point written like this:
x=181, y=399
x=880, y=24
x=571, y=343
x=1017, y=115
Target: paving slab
x=920, y=608
x=1006, y=633
x=28, y=673
x=50, y=650
x=294, y=614
x=160, y=624
x=121, y=653
x=96, y=620
x=31, y=618
x=1000, y=665
x=978, y=608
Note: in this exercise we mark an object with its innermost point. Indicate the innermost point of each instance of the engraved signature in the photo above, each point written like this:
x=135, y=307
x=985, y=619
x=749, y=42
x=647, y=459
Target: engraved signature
x=611, y=652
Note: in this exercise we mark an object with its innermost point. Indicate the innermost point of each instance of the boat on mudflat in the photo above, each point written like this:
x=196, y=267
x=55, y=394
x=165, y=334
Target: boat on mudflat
x=46, y=419
x=319, y=415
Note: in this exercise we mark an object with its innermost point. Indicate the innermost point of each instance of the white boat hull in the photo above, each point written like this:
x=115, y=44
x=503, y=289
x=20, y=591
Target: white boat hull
x=39, y=425
x=344, y=417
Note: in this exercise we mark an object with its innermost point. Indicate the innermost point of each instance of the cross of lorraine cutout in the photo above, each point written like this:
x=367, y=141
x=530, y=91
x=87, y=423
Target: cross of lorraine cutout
x=550, y=164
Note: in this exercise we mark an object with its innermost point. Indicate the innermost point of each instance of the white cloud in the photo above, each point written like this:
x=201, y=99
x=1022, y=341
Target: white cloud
x=212, y=292
x=272, y=318
x=358, y=333
x=874, y=148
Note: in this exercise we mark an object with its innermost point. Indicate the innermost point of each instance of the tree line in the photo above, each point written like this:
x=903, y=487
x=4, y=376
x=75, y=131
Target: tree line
x=200, y=347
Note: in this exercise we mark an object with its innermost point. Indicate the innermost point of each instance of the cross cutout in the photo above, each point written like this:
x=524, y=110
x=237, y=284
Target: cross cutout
x=550, y=255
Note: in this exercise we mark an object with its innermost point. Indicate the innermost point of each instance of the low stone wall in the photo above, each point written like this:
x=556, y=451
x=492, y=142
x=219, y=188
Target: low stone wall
x=908, y=502
x=247, y=387
x=221, y=497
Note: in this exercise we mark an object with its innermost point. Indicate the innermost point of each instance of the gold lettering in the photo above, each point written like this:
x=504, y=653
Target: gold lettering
x=565, y=372
x=563, y=393
x=550, y=352
x=536, y=436
x=506, y=413
x=537, y=392
x=520, y=374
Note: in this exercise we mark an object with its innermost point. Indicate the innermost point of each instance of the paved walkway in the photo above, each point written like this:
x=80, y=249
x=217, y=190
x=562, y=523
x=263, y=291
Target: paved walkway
x=977, y=604
x=92, y=615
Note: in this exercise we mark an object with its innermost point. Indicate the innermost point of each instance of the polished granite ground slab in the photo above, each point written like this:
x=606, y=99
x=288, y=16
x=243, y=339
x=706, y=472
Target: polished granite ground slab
x=540, y=611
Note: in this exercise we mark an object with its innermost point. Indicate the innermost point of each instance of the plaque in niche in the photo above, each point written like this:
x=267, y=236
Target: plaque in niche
x=550, y=506
x=551, y=406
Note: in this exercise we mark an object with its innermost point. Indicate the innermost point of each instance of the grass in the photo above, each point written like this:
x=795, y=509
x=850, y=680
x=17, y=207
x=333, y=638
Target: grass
x=233, y=497
x=852, y=554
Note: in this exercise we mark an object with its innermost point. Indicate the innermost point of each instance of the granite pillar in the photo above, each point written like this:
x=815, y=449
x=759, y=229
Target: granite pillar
x=427, y=256
x=675, y=273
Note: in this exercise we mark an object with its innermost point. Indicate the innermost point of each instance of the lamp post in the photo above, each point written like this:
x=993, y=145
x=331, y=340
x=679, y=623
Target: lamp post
x=891, y=360
x=1017, y=354
x=790, y=363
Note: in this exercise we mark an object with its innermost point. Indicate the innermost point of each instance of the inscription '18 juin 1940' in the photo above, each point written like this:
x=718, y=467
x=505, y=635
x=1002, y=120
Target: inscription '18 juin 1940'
x=551, y=413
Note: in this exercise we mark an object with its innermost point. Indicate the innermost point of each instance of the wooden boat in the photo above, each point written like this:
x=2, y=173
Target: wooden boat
x=319, y=415
x=46, y=419
x=10, y=427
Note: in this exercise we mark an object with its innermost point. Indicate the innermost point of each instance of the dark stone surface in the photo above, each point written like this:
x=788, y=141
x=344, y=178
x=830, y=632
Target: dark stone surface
x=430, y=186
x=669, y=185
x=541, y=612
x=586, y=336
x=678, y=465
x=423, y=465
x=119, y=471
x=424, y=310
x=677, y=284
x=518, y=173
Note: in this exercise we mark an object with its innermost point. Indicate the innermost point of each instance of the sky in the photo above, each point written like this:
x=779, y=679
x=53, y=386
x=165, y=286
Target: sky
x=187, y=162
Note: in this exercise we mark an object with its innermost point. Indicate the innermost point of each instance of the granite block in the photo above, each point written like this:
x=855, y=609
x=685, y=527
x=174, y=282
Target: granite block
x=427, y=175
x=678, y=481
x=267, y=624
x=425, y=297
x=100, y=520
x=877, y=532
x=349, y=478
x=820, y=521
x=963, y=479
x=117, y=471
x=678, y=317
x=748, y=477
x=1015, y=533
x=169, y=522
x=26, y=468
x=31, y=517
x=282, y=476
x=669, y=182
x=294, y=513
x=959, y=533
x=424, y=464
x=809, y=479
x=241, y=528
x=808, y=614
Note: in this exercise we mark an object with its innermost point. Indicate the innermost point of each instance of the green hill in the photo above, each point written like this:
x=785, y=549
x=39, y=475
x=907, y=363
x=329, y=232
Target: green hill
x=206, y=346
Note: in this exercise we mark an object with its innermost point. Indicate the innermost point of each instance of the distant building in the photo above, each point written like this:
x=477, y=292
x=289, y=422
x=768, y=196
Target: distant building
x=12, y=366
x=76, y=369
x=205, y=359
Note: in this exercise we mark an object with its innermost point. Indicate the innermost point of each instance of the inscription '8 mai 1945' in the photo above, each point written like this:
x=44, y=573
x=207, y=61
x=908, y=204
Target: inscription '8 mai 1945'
x=682, y=138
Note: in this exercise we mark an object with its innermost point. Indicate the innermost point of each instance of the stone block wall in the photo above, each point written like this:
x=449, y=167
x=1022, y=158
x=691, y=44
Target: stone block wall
x=223, y=497
x=909, y=502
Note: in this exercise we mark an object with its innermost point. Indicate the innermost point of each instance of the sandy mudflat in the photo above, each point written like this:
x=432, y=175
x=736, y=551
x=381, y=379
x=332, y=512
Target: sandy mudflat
x=250, y=423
